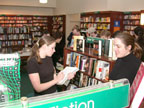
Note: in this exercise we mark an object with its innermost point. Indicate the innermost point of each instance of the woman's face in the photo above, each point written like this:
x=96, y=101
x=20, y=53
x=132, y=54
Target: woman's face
x=75, y=32
x=50, y=49
x=121, y=50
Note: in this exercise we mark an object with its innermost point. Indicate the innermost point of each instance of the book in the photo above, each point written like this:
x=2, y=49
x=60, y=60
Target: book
x=80, y=45
x=68, y=59
x=81, y=80
x=106, y=48
x=105, y=70
x=66, y=71
x=84, y=64
x=97, y=44
x=84, y=81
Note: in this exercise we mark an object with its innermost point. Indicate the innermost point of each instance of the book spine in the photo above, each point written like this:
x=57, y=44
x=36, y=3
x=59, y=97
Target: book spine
x=110, y=48
x=100, y=48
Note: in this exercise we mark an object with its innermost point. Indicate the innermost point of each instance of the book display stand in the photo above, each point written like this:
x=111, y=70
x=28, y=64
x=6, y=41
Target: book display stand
x=91, y=74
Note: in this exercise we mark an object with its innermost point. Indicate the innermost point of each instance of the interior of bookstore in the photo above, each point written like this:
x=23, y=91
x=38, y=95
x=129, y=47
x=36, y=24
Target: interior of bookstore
x=71, y=54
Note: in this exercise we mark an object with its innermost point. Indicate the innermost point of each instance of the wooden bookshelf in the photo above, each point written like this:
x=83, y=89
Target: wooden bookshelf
x=18, y=30
x=130, y=21
x=89, y=52
x=14, y=32
x=57, y=21
x=101, y=20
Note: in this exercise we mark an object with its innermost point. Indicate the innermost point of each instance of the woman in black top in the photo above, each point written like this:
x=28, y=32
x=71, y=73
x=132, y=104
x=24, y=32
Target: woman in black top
x=40, y=67
x=128, y=53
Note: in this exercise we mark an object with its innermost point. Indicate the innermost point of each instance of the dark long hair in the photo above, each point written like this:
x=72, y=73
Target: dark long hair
x=48, y=40
x=127, y=39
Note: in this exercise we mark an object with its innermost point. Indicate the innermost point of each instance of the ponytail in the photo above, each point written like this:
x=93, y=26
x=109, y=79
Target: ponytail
x=137, y=50
x=35, y=53
x=48, y=40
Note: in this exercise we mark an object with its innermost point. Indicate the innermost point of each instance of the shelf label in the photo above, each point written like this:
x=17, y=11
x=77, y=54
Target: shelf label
x=97, y=12
x=127, y=12
x=2, y=15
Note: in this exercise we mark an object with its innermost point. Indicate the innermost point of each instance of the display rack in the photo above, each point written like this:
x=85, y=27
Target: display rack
x=130, y=21
x=18, y=30
x=57, y=21
x=14, y=32
x=39, y=24
x=101, y=20
x=89, y=53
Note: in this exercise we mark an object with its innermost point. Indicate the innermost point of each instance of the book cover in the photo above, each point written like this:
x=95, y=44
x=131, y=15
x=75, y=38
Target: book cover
x=84, y=81
x=99, y=69
x=90, y=66
x=105, y=70
x=75, y=41
x=106, y=47
x=68, y=60
x=81, y=80
x=80, y=45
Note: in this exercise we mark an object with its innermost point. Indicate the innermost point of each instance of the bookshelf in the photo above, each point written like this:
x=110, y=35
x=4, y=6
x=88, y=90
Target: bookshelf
x=57, y=21
x=14, y=32
x=18, y=30
x=130, y=21
x=101, y=20
x=89, y=52
x=39, y=23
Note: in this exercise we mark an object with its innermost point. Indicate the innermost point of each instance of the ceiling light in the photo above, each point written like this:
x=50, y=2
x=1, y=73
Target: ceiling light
x=43, y=1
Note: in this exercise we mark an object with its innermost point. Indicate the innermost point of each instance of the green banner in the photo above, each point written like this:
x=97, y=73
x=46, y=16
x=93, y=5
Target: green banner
x=103, y=96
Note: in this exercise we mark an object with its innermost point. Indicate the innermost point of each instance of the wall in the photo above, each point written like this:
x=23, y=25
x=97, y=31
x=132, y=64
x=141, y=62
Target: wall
x=16, y=10
x=125, y=5
x=27, y=7
x=71, y=20
x=33, y=3
x=78, y=6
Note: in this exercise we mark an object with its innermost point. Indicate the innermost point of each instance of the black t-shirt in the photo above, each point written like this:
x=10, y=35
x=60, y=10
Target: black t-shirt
x=125, y=67
x=45, y=70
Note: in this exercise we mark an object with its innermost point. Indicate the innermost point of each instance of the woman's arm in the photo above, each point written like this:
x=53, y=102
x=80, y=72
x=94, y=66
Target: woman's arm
x=39, y=87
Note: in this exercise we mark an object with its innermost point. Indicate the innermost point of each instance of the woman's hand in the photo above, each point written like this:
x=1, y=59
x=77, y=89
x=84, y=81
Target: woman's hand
x=59, y=77
x=71, y=75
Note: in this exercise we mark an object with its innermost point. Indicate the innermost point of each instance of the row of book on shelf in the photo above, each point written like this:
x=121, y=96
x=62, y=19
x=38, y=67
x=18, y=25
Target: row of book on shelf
x=131, y=16
x=90, y=68
x=83, y=80
x=23, y=29
x=95, y=25
x=136, y=22
x=13, y=43
x=97, y=19
x=15, y=36
x=6, y=50
x=129, y=27
x=98, y=46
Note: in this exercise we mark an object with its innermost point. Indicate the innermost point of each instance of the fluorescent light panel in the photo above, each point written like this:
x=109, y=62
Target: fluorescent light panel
x=43, y=1
x=142, y=19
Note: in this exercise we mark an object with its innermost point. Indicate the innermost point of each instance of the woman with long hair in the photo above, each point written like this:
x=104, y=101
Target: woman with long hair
x=128, y=53
x=40, y=67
